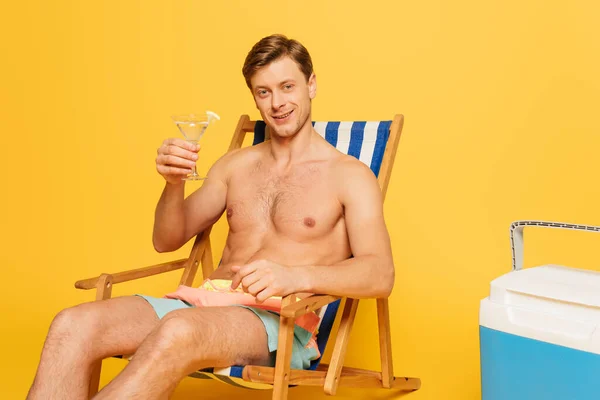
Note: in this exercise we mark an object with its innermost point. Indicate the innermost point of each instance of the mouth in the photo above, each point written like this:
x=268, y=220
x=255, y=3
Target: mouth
x=282, y=116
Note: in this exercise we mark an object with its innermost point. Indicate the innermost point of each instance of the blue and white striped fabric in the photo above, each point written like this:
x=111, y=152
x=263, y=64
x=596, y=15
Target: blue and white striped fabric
x=365, y=140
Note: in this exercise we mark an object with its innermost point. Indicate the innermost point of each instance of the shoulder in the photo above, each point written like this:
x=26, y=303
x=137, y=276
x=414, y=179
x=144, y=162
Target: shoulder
x=353, y=179
x=235, y=160
x=349, y=169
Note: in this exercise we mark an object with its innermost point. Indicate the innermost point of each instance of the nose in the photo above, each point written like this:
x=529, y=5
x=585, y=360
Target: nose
x=277, y=100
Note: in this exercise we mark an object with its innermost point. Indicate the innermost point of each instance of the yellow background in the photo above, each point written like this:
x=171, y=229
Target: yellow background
x=501, y=103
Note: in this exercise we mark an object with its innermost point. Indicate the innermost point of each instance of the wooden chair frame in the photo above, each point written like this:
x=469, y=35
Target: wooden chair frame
x=328, y=376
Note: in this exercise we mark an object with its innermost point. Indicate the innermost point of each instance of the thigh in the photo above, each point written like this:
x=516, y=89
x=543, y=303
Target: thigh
x=114, y=326
x=223, y=336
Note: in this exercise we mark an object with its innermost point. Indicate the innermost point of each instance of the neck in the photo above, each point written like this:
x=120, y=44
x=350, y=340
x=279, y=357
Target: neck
x=289, y=150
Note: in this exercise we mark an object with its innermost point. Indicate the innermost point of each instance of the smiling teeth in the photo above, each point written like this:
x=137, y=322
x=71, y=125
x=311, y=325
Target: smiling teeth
x=283, y=116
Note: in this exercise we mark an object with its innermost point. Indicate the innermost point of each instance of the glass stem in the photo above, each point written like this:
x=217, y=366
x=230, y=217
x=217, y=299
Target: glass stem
x=194, y=171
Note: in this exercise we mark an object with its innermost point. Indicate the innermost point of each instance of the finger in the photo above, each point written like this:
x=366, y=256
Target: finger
x=174, y=161
x=242, y=273
x=167, y=170
x=248, y=269
x=265, y=294
x=251, y=279
x=237, y=278
x=177, y=151
x=184, y=144
x=257, y=287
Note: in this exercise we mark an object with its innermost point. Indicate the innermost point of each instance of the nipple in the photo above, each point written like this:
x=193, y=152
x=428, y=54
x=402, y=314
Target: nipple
x=310, y=222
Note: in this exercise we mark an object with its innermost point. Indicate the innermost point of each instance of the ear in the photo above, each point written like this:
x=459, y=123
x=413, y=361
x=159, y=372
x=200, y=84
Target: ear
x=312, y=86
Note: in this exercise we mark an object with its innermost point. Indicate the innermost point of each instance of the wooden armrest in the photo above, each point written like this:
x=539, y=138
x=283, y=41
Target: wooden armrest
x=133, y=274
x=307, y=305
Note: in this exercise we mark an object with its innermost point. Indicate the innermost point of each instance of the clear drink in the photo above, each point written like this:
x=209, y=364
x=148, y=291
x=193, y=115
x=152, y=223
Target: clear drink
x=193, y=126
x=192, y=131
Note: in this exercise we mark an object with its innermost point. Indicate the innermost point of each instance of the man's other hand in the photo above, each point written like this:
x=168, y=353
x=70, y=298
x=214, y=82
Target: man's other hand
x=175, y=159
x=264, y=279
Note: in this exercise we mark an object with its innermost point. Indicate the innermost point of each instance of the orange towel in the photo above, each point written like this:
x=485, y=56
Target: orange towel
x=218, y=293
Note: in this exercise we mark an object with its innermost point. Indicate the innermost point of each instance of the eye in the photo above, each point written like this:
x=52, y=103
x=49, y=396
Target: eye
x=261, y=92
x=288, y=86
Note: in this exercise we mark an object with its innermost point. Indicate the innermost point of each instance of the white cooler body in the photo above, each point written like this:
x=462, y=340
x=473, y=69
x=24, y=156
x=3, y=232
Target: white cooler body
x=540, y=336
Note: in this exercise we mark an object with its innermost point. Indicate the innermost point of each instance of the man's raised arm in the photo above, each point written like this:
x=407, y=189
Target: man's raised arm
x=177, y=219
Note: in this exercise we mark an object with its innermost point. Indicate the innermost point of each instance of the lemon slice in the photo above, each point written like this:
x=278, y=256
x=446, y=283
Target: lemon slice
x=212, y=115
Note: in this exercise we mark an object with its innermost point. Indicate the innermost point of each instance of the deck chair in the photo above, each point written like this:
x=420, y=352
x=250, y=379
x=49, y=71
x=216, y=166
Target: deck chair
x=375, y=144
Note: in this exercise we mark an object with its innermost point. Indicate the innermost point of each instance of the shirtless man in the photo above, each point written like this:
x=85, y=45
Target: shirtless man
x=297, y=210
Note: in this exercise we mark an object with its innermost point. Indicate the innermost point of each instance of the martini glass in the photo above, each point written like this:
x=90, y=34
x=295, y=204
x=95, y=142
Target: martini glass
x=193, y=126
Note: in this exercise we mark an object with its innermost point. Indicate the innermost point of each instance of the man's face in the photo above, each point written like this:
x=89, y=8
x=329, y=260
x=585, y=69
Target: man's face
x=283, y=96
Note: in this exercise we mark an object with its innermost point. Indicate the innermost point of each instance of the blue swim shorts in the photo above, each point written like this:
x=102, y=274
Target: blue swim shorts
x=301, y=356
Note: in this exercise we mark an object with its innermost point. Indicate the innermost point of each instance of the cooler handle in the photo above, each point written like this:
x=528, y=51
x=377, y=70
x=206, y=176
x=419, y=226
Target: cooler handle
x=516, y=236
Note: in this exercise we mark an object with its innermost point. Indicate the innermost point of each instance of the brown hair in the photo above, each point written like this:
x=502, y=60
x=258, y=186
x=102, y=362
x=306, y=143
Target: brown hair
x=272, y=48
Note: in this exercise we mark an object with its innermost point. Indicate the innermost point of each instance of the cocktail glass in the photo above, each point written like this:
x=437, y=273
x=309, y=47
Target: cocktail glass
x=193, y=126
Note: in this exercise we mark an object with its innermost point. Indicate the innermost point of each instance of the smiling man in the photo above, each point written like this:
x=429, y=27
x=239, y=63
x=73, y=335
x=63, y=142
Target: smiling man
x=297, y=211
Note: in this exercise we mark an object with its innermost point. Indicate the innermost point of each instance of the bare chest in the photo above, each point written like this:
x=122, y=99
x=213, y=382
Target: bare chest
x=302, y=204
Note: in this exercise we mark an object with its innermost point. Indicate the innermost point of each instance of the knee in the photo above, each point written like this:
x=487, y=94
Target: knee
x=177, y=332
x=76, y=322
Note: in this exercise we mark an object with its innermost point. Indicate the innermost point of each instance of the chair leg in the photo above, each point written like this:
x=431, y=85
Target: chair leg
x=207, y=261
x=103, y=292
x=339, y=351
x=284, y=353
x=385, y=343
x=95, y=379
